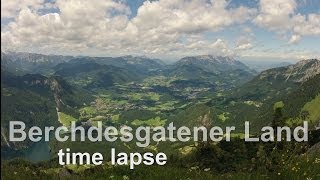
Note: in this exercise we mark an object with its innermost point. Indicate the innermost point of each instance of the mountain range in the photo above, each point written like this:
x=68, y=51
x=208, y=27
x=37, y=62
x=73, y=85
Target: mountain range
x=52, y=90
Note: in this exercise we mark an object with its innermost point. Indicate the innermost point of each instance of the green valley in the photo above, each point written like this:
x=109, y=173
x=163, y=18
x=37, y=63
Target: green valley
x=138, y=91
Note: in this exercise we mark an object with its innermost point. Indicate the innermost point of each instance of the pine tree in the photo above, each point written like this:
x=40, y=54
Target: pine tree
x=278, y=119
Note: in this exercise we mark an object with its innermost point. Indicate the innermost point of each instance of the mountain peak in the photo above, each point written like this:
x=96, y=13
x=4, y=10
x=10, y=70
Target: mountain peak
x=299, y=72
x=219, y=59
x=213, y=63
x=306, y=62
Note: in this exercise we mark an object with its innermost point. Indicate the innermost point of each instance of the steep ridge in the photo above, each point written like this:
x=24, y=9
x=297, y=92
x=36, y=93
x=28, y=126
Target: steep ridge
x=291, y=87
x=24, y=63
x=33, y=99
x=274, y=82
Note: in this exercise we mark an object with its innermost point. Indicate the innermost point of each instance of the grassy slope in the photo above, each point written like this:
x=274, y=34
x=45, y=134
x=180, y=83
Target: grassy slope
x=313, y=107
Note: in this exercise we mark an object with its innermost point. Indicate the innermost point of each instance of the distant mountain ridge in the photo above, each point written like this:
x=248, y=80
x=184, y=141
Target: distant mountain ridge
x=299, y=72
x=139, y=64
x=273, y=82
x=89, y=74
x=213, y=63
x=260, y=66
x=23, y=63
x=218, y=70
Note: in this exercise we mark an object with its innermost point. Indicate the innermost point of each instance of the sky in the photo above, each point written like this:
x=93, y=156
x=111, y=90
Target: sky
x=272, y=30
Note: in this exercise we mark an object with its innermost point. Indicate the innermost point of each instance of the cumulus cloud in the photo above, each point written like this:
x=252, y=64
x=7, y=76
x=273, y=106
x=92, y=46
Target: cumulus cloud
x=189, y=16
x=163, y=27
x=280, y=16
x=306, y=25
x=78, y=25
x=276, y=15
x=9, y=9
x=245, y=40
x=105, y=26
x=244, y=46
x=200, y=45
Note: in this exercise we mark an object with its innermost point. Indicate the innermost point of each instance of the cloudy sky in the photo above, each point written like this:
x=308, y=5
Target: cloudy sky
x=167, y=29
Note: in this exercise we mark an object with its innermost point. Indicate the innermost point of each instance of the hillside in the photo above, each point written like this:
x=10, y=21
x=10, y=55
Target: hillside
x=35, y=100
x=293, y=86
x=220, y=71
x=277, y=81
x=138, y=64
x=89, y=74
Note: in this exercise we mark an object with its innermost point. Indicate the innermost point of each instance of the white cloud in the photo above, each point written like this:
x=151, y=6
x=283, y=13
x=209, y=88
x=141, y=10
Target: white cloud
x=306, y=25
x=77, y=26
x=200, y=45
x=275, y=15
x=280, y=16
x=103, y=26
x=160, y=28
x=189, y=16
x=10, y=8
x=245, y=40
x=294, y=39
x=244, y=46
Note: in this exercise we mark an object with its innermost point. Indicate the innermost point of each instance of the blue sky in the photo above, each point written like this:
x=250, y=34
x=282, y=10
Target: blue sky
x=168, y=29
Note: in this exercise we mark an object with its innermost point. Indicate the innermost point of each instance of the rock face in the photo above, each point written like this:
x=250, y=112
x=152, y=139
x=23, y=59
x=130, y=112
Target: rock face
x=23, y=63
x=315, y=149
x=305, y=69
x=299, y=72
